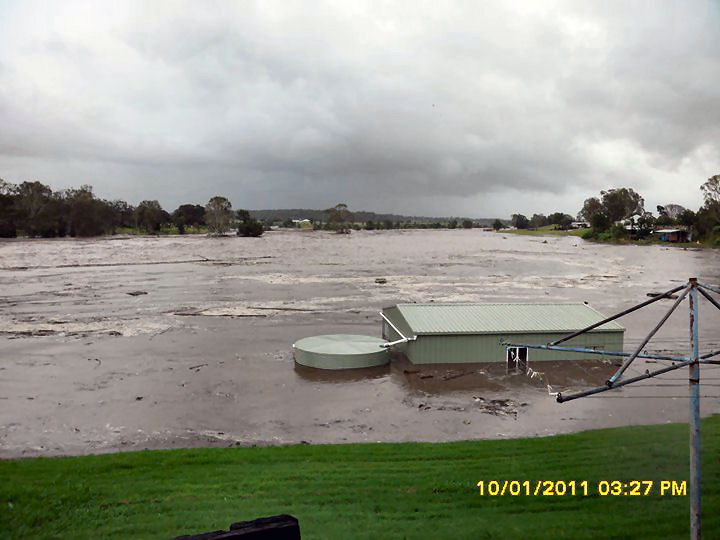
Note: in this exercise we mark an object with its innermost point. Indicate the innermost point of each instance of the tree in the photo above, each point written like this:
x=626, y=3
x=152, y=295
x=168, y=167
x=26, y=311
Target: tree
x=8, y=227
x=711, y=191
x=519, y=221
x=614, y=205
x=123, y=214
x=645, y=225
x=35, y=213
x=707, y=220
x=671, y=211
x=467, y=224
x=218, y=215
x=560, y=220
x=600, y=222
x=497, y=224
x=452, y=224
x=339, y=217
x=149, y=216
x=87, y=215
x=621, y=203
x=538, y=220
x=248, y=226
x=687, y=218
x=591, y=208
x=188, y=215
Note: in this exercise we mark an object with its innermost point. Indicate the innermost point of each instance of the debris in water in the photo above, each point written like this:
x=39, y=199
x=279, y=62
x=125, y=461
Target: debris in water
x=197, y=368
x=453, y=375
x=136, y=293
x=381, y=281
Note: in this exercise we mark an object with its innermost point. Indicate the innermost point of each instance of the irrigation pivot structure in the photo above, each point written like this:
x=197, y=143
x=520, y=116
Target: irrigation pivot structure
x=689, y=290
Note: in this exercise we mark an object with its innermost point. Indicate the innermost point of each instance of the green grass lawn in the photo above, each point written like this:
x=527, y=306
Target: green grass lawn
x=413, y=490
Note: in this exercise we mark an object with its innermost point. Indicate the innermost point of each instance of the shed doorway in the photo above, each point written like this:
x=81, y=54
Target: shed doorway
x=517, y=359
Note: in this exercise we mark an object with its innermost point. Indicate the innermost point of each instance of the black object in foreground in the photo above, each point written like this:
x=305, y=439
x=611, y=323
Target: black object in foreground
x=282, y=527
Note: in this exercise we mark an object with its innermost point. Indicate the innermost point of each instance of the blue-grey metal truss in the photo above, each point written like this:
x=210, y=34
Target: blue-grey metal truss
x=692, y=361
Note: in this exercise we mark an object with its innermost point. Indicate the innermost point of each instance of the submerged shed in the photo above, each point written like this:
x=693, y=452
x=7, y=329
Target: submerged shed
x=465, y=333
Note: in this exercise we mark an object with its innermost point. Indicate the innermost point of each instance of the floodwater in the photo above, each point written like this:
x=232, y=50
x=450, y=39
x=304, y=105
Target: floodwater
x=144, y=342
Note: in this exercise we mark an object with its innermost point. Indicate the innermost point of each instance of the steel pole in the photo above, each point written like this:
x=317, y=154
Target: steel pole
x=694, y=384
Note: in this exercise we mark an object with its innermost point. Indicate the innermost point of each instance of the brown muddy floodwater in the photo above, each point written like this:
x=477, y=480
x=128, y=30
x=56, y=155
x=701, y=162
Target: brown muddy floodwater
x=130, y=343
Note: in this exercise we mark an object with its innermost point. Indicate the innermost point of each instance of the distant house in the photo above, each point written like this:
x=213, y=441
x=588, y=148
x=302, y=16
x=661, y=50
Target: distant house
x=629, y=223
x=302, y=223
x=673, y=235
x=579, y=225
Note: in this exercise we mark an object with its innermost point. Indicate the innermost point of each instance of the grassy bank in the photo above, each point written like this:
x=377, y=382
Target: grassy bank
x=164, y=230
x=367, y=491
x=607, y=237
x=549, y=230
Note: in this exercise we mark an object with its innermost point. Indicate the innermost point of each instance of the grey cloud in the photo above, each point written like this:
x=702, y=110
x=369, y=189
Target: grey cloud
x=344, y=101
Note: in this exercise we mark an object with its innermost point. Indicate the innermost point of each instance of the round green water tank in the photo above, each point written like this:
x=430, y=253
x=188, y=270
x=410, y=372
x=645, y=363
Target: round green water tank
x=341, y=351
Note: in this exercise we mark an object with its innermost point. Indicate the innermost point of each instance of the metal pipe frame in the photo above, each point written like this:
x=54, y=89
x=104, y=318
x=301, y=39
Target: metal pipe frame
x=617, y=316
x=712, y=300
x=393, y=343
x=709, y=287
x=595, y=351
x=562, y=399
x=612, y=380
x=395, y=327
x=692, y=362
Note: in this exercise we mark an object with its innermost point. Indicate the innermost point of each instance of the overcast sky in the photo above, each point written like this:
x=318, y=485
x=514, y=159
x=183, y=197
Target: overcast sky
x=480, y=109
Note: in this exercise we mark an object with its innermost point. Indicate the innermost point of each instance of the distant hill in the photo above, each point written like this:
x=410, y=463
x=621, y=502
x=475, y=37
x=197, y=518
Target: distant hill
x=359, y=216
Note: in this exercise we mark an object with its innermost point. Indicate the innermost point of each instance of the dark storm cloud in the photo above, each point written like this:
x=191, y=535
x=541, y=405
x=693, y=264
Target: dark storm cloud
x=485, y=109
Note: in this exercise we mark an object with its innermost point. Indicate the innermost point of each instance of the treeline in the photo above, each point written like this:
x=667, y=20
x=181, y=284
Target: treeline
x=620, y=212
x=340, y=219
x=560, y=220
x=285, y=216
x=33, y=209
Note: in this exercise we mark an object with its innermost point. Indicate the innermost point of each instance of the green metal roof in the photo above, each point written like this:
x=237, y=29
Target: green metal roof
x=426, y=319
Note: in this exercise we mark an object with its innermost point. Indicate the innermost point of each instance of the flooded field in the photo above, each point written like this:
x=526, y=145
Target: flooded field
x=131, y=343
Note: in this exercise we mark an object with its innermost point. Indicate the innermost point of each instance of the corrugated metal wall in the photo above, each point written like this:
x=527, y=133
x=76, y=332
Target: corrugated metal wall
x=441, y=349
x=487, y=348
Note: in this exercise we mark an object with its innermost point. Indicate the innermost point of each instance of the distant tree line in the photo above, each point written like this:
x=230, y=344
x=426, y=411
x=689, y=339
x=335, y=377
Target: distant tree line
x=609, y=214
x=35, y=210
x=284, y=217
x=620, y=212
x=560, y=220
x=340, y=219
